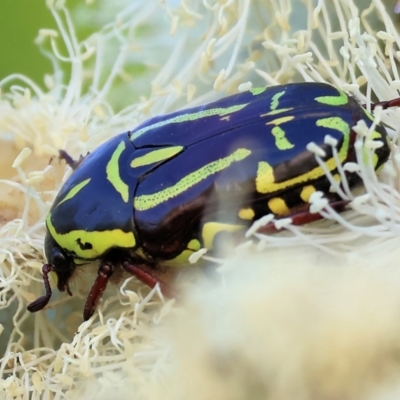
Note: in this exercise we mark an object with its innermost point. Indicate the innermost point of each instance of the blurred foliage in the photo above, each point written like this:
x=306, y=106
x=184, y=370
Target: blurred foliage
x=20, y=21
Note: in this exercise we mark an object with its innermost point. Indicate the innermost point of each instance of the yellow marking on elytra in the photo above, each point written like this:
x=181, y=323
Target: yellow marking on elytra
x=278, y=206
x=148, y=201
x=246, y=213
x=77, y=188
x=282, y=120
x=265, y=180
x=101, y=241
x=113, y=175
x=281, y=142
x=340, y=100
x=275, y=112
x=211, y=229
x=335, y=123
x=369, y=115
x=183, y=258
x=336, y=177
x=155, y=156
x=275, y=100
x=257, y=91
x=221, y=111
x=306, y=192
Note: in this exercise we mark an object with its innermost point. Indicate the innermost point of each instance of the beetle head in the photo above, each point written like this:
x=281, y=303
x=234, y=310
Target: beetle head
x=60, y=262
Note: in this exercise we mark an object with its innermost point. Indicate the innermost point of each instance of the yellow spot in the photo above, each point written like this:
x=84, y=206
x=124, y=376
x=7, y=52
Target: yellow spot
x=336, y=177
x=246, y=213
x=156, y=156
x=100, y=241
x=275, y=100
x=278, y=206
x=77, y=188
x=189, y=117
x=211, y=229
x=113, y=174
x=281, y=141
x=183, y=258
x=147, y=201
x=265, y=180
x=306, y=192
x=340, y=100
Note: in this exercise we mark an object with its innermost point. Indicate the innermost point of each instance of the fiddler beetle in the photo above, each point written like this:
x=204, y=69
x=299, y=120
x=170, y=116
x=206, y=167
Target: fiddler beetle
x=146, y=199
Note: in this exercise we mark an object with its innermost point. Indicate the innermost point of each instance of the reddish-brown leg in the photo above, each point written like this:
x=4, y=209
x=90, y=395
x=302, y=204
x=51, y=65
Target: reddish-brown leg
x=42, y=301
x=304, y=216
x=387, y=104
x=151, y=276
x=97, y=290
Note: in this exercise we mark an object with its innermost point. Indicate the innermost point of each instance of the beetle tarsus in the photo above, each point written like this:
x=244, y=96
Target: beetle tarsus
x=99, y=286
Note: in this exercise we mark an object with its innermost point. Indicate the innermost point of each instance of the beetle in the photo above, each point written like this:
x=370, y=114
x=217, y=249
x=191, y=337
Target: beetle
x=146, y=199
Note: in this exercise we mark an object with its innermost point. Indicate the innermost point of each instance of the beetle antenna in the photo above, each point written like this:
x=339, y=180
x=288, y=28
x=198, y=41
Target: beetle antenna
x=42, y=301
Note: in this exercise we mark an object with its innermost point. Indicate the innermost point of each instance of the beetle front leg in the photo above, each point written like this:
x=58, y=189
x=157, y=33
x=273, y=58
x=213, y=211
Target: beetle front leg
x=99, y=286
x=150, y=276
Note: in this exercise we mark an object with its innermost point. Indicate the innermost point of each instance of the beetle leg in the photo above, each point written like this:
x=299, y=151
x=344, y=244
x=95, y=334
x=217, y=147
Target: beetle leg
x=302, y=217
x=151, y=276
x=74, y=164
x=42, y=301
x=103, y=275
x=387, y=104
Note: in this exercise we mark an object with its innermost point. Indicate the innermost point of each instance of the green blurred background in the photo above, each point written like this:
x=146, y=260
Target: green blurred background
x=20, y=21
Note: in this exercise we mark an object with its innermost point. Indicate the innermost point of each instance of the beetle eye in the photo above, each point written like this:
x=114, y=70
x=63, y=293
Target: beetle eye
x=60, y=261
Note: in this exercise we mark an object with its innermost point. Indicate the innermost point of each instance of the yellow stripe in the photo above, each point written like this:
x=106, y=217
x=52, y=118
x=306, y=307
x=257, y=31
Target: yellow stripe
x=277, y=111
x=147, y=201
x=189, y=117
x=101, y=241
x=340, y=100
x=155, y=156
x=77, y=188
x=265, y=180
x=113, y=174
x=281, y=120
